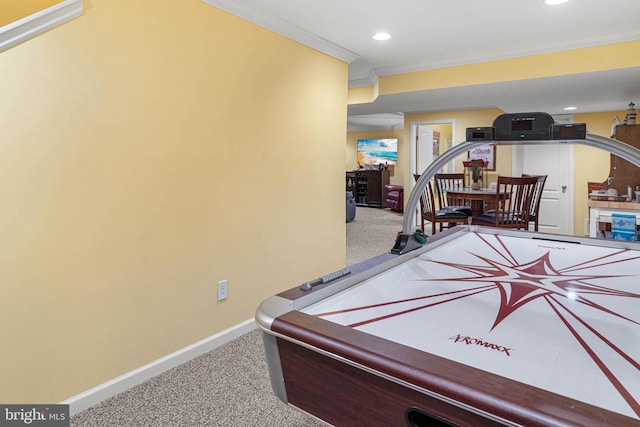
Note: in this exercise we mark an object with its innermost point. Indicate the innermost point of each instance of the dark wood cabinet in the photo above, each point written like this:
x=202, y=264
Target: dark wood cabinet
x=624, y=173
x=367, y=187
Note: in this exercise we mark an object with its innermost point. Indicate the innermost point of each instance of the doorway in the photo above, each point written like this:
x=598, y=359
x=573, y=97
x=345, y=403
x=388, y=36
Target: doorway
x=430, y=139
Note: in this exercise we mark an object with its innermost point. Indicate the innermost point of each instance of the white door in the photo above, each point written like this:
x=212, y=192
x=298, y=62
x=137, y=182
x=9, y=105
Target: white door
x=424, y=148
x=421, y=156
x=555, y=161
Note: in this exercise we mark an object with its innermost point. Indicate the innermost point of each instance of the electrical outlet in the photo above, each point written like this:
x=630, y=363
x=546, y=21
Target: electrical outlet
x=222, y=290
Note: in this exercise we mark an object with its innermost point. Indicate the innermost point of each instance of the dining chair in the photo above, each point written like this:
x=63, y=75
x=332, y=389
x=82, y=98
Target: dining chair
x=537, y=197
x=438, y=217
x=445, y=182
x=513, y=199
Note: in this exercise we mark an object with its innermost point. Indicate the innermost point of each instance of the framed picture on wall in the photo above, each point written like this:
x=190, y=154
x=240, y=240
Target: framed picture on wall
x=486, y=152
x=378, y=151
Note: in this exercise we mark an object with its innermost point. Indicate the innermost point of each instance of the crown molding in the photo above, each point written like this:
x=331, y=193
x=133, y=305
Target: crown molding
x=270, y=22
x=32, y=25
x=382, y=121
x=366, y=81
x=468, y=59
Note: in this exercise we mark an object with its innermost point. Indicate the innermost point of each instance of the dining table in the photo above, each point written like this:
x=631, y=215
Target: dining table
x=479, y=200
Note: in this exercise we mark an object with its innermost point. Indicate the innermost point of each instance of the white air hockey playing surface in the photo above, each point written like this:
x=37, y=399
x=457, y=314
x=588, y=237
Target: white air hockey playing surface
x=560, y=316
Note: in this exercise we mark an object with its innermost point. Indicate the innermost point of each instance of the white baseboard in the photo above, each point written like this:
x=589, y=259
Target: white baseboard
x=97, y=394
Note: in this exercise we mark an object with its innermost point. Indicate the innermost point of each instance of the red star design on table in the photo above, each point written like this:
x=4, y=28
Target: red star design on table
x=519, y=283
x=522, y=282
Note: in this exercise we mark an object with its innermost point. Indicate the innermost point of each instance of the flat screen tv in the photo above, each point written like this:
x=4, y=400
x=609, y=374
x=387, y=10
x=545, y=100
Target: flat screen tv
x=377, y=151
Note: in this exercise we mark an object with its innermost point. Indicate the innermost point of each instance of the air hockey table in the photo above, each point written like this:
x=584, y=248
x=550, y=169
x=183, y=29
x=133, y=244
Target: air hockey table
x=479, y=327
x=476, y=326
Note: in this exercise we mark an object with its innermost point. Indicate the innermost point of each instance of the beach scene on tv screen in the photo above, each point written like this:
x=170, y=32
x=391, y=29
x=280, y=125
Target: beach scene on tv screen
x=377, y=151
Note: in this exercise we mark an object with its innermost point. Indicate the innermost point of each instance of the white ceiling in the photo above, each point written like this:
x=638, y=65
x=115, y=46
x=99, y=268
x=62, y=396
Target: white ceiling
x=429, y=34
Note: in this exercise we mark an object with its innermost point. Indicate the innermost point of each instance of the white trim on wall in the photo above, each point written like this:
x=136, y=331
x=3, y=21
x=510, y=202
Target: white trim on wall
x=270, y=22
x=32, y=25
x=124, y=382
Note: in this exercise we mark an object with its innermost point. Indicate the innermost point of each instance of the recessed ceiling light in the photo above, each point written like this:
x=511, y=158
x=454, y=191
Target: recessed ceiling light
x=381, y=36
x=570, y=108
x=554, y=2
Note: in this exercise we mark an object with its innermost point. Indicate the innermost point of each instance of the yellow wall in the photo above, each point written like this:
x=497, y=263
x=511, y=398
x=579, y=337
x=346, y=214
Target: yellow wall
x=398, y=170
x=150, y=149
x=13, y=10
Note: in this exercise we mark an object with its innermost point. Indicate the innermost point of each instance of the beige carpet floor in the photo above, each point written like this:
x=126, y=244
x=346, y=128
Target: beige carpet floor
x=229, y=386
